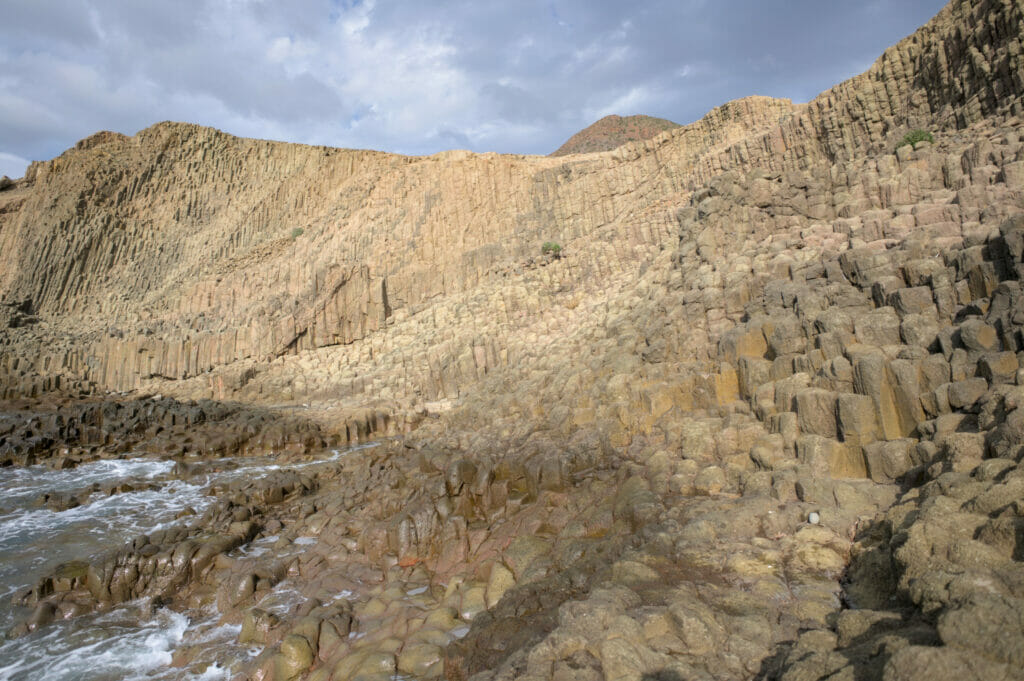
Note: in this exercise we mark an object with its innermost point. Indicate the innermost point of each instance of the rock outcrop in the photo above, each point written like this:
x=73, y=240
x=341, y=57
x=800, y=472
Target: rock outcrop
x=759, y=419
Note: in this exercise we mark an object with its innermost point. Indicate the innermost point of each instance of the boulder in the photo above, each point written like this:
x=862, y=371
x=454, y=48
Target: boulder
x=916, y=300
x=965, y=394
x=856, y=422
x=816, y=412
x=879, y=327
x=295, y=657
x=888, y=461
x=897, y=409
x=786, y=338
x=998, y=367
x=919, y=330
x=977, y=335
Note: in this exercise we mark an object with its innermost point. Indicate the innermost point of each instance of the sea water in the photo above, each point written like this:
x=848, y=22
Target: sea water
x=131, y=641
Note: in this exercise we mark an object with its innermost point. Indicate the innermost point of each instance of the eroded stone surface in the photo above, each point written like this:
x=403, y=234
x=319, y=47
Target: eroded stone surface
x=609, y=461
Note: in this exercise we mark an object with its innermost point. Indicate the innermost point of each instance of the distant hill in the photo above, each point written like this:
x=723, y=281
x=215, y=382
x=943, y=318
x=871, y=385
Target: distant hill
x=614, y=131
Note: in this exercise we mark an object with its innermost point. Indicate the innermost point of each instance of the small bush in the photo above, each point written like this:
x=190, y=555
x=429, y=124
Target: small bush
x=915, y=136
x=297, y=232
x=551, y=248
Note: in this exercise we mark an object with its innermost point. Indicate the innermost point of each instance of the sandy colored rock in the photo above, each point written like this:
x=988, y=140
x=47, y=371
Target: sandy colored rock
x=977, y=335
x=500, y=581
x=604, y=463
x=295, y=657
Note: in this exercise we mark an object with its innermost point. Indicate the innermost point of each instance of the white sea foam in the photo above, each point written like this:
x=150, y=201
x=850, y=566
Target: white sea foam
x=282, y=598
x=35, y=540
x=128, y=511
x=110, y=646
x=22, y=485
x=115, y=645
x=213, y=673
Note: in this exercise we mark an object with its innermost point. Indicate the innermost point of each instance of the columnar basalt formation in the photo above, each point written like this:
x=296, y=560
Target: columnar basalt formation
x=759, y=419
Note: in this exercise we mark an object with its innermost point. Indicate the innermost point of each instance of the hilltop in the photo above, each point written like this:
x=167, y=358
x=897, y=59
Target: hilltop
x=612, y=132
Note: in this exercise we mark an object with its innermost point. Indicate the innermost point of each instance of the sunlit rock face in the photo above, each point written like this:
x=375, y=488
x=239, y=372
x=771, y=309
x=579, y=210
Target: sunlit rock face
x=756, y=417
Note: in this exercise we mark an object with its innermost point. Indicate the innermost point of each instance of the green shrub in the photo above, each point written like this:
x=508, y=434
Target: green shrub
x=297, y=232
x=915, y=136
x=551, y=248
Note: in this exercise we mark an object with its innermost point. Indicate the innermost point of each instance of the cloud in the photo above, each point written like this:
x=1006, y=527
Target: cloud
x=12, y=166
x=415, y=77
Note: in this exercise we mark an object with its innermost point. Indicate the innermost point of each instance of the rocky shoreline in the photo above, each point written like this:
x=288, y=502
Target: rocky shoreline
x=463, y=567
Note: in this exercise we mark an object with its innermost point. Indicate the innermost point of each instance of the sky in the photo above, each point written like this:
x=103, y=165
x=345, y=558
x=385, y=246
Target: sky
x=412, y=76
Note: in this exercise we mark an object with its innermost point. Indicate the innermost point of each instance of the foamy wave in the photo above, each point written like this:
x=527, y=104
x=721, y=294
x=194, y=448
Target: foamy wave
x=114, y=645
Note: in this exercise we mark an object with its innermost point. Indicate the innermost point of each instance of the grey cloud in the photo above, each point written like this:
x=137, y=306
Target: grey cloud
x=510, y=102
x=43, y=25
x=415, y=77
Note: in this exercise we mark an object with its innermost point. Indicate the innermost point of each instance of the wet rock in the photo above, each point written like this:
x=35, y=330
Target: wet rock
x=501, y=580
x=473, y=602
x=43, y=614
x=366, y=664
x=421, y=661
x=295, y=658
x=257, y=625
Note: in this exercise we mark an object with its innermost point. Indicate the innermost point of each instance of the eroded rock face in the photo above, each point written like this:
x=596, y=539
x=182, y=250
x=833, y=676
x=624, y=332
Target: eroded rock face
x=761, y=420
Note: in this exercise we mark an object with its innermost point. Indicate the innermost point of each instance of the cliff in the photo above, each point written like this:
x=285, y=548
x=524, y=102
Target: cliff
x=177, y=251
x=774, y=311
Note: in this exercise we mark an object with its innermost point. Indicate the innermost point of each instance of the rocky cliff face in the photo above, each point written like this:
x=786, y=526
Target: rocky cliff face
x=770, y=313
